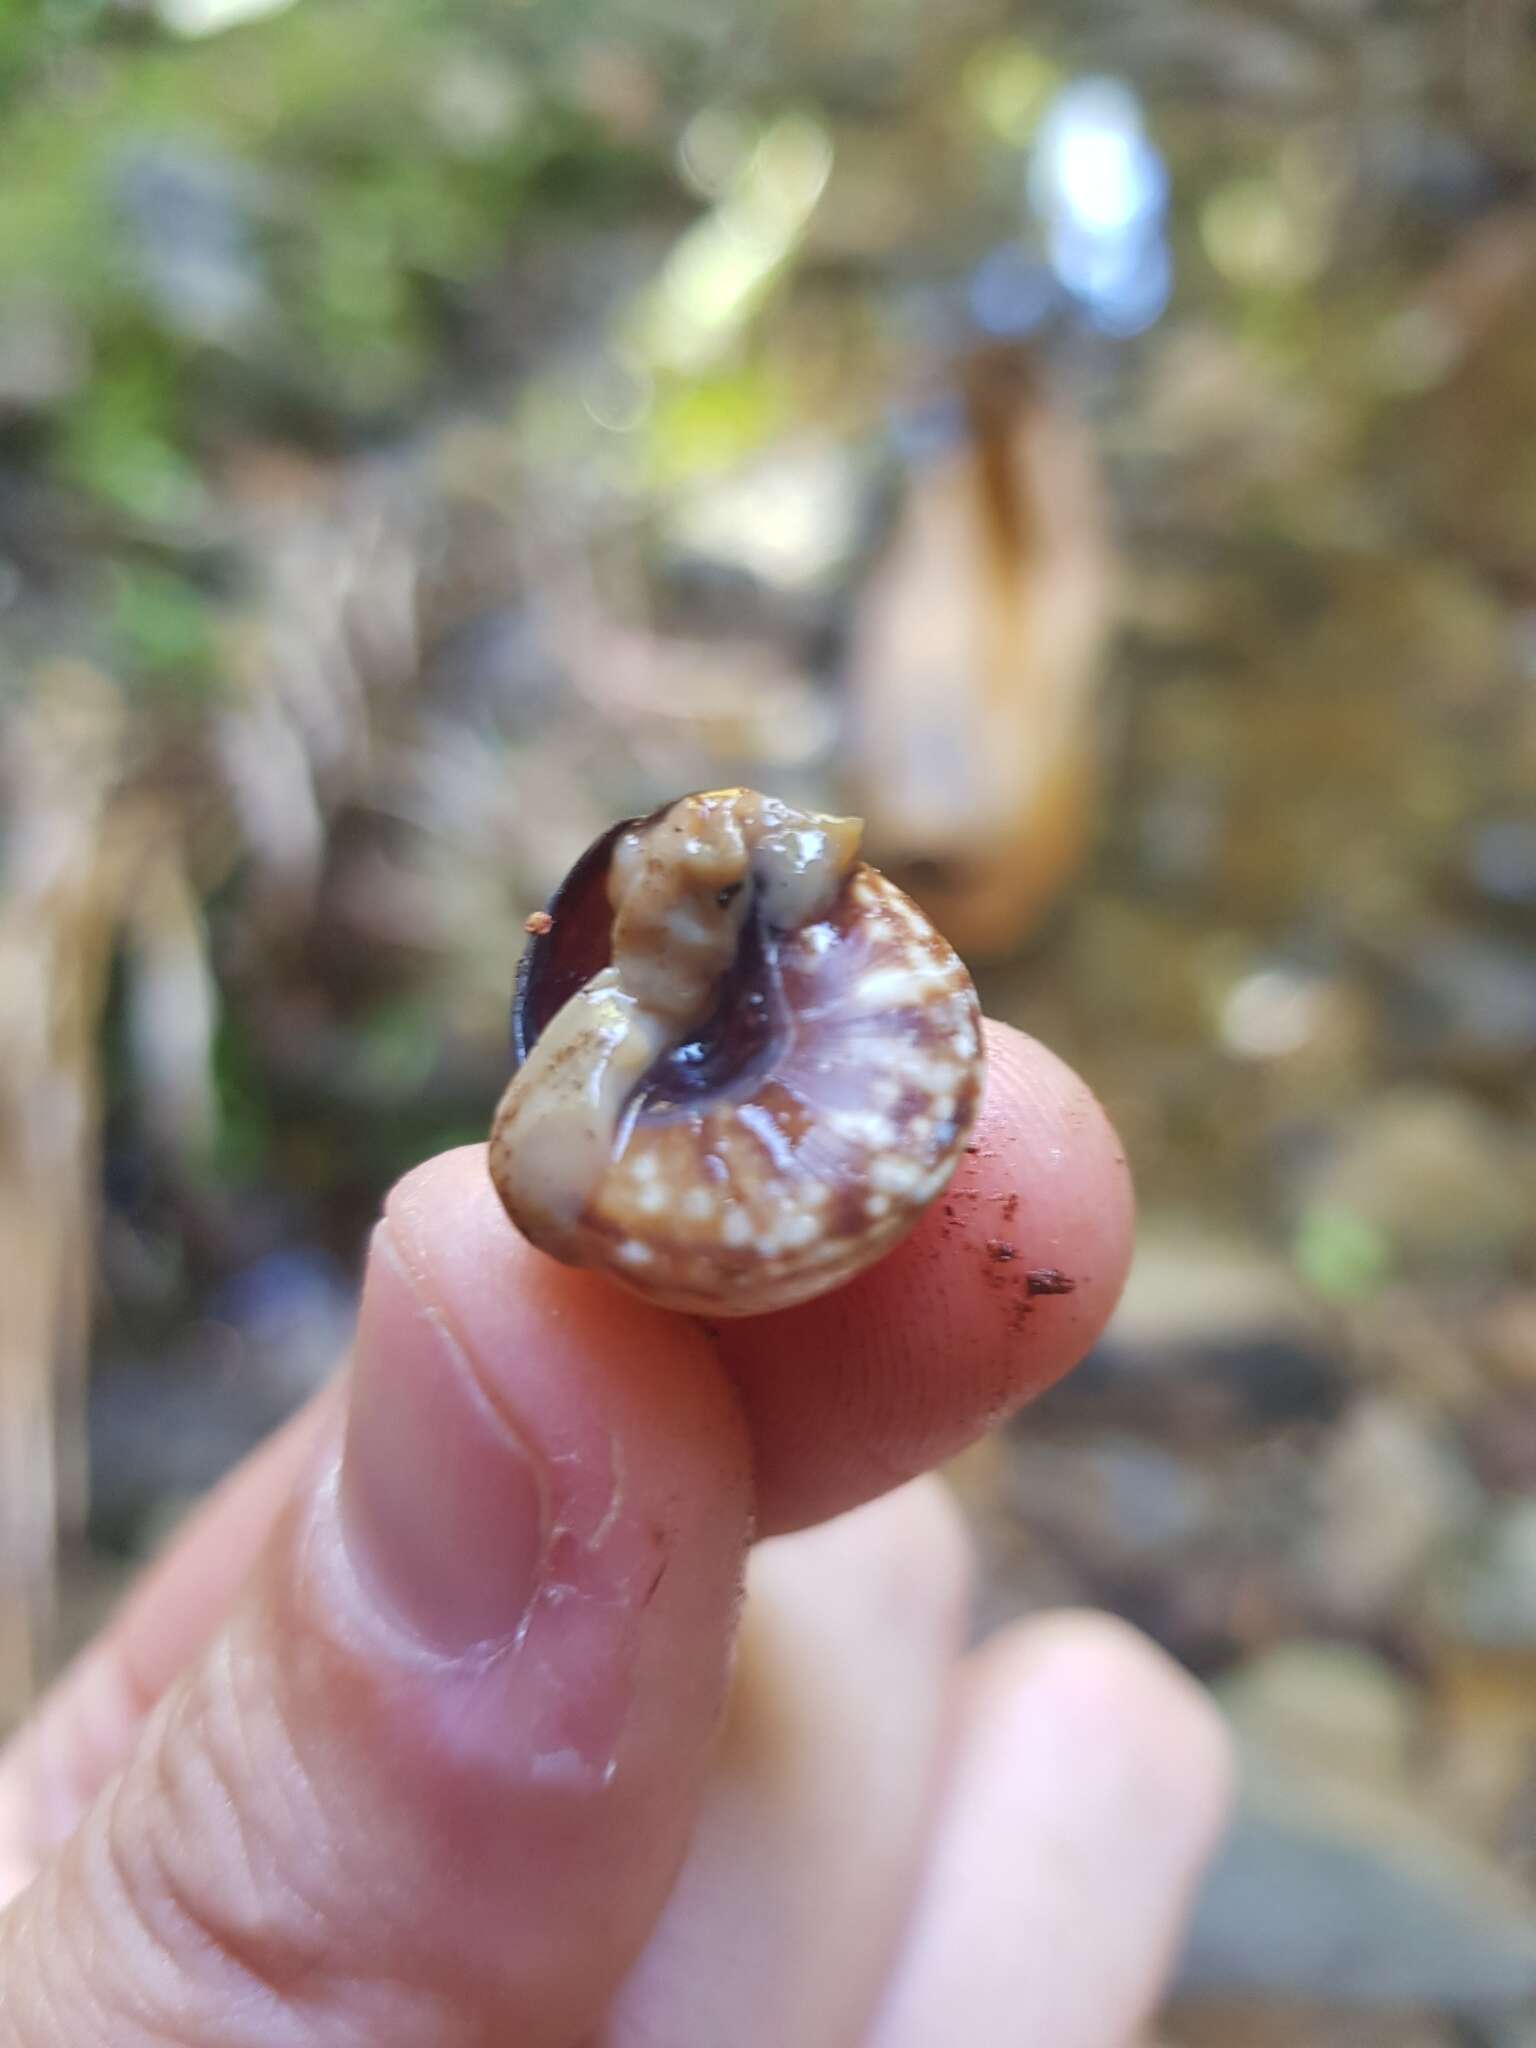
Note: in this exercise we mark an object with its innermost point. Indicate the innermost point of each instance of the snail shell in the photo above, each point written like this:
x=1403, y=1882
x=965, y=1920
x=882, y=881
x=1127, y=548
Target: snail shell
x=746, y=1061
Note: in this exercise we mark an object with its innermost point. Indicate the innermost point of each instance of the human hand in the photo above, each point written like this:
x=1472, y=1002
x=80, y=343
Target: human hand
x=415, y=1736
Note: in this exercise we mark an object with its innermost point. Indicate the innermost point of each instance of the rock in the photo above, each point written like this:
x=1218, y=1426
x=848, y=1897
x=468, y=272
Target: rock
x=1211, y=1333
x=1192, y=1286
x=1480, y=1767
x=1467, y=1000
x=1393, y=1490
x=1327, y=1704
x=1197, y=1549
x=1321, y=1024
x=1487, y=1595
x=1441, y=1181
x=1343, y=1895
x=1502, y=860
x=1115, y=1502
x=1501, y=1439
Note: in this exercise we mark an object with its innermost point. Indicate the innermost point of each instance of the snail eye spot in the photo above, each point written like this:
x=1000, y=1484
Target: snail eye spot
x=929, y=871
x=727, y=896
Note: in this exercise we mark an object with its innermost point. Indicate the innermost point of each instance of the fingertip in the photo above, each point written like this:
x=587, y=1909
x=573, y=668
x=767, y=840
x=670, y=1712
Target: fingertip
x=1002, y=1287
x=1048, y=1176
x=1100, y=1687
x=1087, y=1783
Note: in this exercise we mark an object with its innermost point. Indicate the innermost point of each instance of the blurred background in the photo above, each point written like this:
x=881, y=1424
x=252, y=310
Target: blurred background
x=1097, y=440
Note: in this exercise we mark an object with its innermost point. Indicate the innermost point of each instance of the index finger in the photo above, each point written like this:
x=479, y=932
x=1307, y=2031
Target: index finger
x=1002, y=1287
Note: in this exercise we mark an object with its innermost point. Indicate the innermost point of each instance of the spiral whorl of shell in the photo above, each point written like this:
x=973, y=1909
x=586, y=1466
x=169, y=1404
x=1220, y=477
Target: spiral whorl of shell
x=785, y=1171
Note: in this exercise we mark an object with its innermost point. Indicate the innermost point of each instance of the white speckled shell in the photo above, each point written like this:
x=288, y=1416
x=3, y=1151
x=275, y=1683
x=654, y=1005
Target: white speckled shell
x=798, y=1180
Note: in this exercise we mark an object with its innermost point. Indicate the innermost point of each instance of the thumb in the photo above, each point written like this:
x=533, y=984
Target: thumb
x=434, y=1777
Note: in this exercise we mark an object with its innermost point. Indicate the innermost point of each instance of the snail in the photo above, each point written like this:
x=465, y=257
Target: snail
x=746, y=1063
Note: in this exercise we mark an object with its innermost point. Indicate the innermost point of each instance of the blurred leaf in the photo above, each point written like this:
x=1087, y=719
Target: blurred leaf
x=1008, y=85
x=711, y=423
x=118, y=441
x=1340, y=1254
x=161, y=625
x=398, y=1047
x=243, y=1134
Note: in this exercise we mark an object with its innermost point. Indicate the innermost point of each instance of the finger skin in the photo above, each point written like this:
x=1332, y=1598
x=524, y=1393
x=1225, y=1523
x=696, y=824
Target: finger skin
x=850, y=1395
x=336, y=1830
x=853, y=1394
x=805, y=1859
x=1088, y=1783
x=845, y=1397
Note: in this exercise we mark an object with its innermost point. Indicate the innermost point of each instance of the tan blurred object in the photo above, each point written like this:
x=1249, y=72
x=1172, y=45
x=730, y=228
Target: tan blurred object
x=110, y=844
x=1484, y=1705
x=95, y=865
x=1241, y=2023
x=976, y=663
x=69, y=863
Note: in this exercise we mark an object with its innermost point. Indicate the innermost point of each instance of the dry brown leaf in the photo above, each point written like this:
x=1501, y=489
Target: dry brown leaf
x=976, y=664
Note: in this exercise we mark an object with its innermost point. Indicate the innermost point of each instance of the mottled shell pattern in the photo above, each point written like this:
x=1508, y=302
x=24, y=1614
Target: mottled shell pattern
x=761, y=1066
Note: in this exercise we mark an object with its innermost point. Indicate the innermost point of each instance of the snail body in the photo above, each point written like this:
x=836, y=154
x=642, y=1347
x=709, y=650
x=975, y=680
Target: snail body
x=747, y=1062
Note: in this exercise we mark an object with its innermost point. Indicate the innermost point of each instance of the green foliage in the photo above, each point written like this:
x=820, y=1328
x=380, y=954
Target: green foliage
x=705, y=424
x=397, y=1048
x=161, y=630
x=243, y=1137
x=119, y=440
x=316, y=192
x=1339, y=1254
